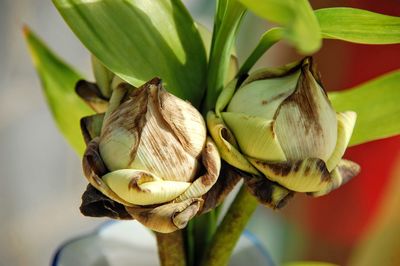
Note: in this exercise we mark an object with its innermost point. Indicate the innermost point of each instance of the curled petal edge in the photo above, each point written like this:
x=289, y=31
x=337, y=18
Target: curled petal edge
x=91, y=126
x=267, y=192
x=166, y=218
x=310, y=175
x=340, y=175
x=346, y=122
x=143, y=188
x=226, y=143
x=91, y=94
x=212, y=165
x=94, y=168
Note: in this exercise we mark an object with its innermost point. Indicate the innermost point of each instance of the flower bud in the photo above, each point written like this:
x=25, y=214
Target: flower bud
x=286, y=129
x=152, y=156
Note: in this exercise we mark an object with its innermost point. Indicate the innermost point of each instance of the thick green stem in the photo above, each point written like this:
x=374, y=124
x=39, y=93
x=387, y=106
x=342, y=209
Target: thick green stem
x=171, y=249
x=228, y=233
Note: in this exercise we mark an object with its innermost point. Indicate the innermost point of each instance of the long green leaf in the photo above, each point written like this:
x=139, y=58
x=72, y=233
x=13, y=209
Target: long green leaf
x=296, y=16
x=140, y=39
x=359, y=26
x=377, y=104
x=58, y=82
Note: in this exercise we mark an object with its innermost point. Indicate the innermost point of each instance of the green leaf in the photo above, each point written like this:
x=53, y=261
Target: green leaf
x=296, y=16
x=221, y=49
x=141, y=39
x=377, y=106
x=358, y=26
x=58, y=82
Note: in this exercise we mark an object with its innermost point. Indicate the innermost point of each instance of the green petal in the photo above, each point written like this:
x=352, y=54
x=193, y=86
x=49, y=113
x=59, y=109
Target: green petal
x=103, y=76
x=226, y=144
x=143, y=188
x=358, y=26
x=263, y=96
x=306, y=123
x=140, y=39
x=309, y=175
x=256, y=136
x=225, y=96
x=58, y=82
x=91, y=126
x=346, y=122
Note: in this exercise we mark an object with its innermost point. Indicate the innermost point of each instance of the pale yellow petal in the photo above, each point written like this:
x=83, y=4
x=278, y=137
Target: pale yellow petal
x=143, y=188
x=309, y=175
x=255, y=135
x=262, y=97
x=94, y=168
x=346, y=122
x=225, y=143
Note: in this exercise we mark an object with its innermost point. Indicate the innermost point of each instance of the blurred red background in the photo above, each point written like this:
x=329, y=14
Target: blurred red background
x=337, y=222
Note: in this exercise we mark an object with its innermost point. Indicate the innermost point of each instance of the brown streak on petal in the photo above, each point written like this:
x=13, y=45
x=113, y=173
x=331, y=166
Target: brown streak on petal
x=281, y=169
x=307, y=170
x=325, y=176
x=263, y=189
x=167, y=217
x=130, y=115
x=137, y=179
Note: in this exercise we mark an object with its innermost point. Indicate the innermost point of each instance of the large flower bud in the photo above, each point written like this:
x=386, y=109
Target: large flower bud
x=282, y=125
x=152, y=156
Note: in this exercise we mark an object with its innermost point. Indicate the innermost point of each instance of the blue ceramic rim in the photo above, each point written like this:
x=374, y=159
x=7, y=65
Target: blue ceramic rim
x=246, y=233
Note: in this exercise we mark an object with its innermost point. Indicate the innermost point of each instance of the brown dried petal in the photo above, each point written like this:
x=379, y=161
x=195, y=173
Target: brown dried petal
x=226, y=182
x=267, y=192
x=94, y=169
x=306, y=123
x=344, y=171
x=166, y=218
x=91, y=126
x=309, y=175
x=185, y=121
x=95, y=204
x=91, y=94
x=212, y=164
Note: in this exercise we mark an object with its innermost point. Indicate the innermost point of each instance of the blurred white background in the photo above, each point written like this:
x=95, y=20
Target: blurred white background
x=40, y=175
